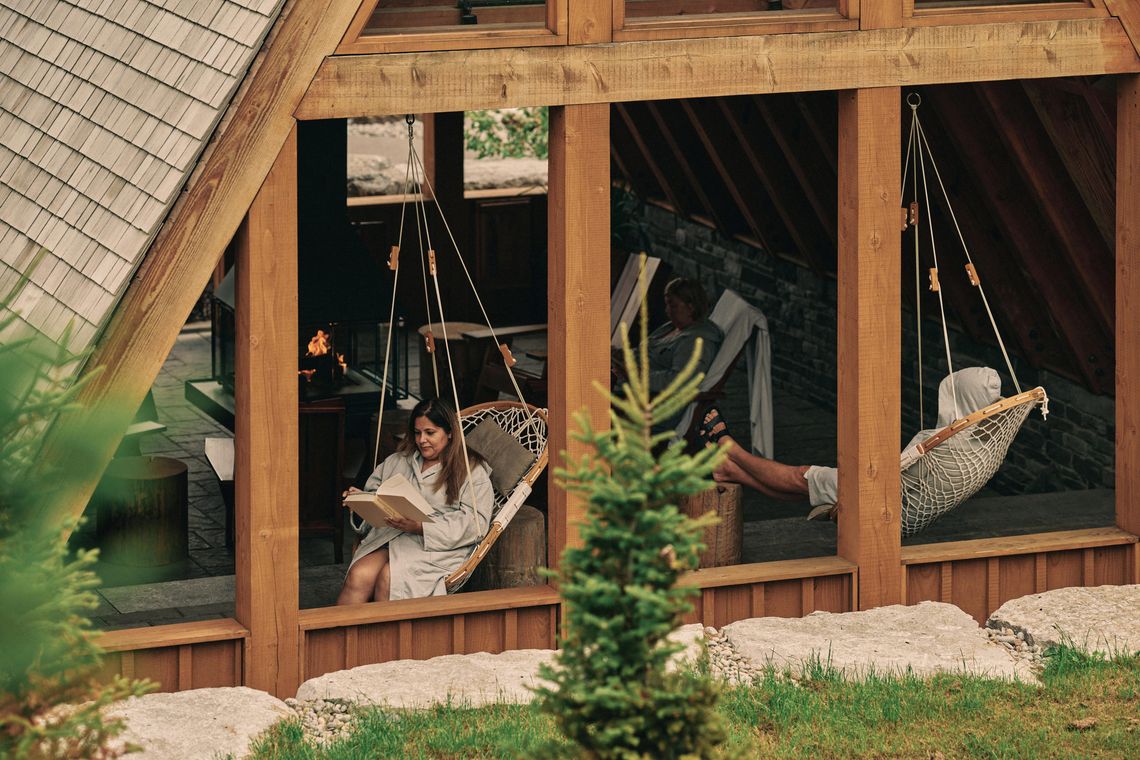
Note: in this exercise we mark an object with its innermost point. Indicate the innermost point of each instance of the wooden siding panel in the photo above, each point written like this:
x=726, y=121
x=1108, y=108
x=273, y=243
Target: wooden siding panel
x=1063, y=569
x=535, y=629
x=971, y=580
x=833, y=593
x=483, y=632
x=376, y=643
x=215, y=664
x=159, y=665
x=783, y=599
x=430, y=638
x=324, y=652
x=1111, y=565
x=731, y=603
x=1017, y=577
x=924, y=583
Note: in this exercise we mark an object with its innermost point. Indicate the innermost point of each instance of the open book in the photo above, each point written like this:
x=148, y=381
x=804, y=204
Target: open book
x=396, y=497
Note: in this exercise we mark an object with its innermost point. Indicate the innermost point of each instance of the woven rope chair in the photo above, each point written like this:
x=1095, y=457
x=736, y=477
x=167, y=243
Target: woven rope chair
x=527, y=425
x=944, y=470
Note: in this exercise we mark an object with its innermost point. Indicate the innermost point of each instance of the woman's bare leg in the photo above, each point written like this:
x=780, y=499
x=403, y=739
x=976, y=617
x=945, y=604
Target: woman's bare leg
x=384, y=581
x=360, y=585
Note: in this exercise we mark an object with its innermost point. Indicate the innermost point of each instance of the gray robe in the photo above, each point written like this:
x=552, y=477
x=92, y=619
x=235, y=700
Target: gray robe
x=420, y=564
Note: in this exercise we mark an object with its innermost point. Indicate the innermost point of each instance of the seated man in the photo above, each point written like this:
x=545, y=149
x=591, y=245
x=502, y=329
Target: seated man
x=974, y=388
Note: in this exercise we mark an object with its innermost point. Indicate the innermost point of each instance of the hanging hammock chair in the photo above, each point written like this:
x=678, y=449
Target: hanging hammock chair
x=523, y=423
x=943, y=470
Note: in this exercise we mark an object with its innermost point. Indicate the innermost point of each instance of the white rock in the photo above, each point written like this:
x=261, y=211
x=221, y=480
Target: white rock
x=925, y=638
x=202, y=723
x=473, y=679
x=1105, y=618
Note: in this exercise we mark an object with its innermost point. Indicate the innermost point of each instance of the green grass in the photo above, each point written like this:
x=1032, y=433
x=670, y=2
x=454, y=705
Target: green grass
x=1087, y=706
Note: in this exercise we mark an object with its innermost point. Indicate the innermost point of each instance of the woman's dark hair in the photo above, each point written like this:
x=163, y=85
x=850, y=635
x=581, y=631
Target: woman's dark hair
x=690, y=293
x=454, y=472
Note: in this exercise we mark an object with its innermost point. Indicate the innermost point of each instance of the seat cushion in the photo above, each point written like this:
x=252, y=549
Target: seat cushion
x=507, y=458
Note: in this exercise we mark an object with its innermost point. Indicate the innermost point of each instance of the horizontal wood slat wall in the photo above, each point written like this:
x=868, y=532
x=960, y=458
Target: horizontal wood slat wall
x=494, y=621
x=178, y=657
x=792, y=588
x=979, y=576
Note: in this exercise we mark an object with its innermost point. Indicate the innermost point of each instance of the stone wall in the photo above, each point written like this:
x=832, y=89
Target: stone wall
x=1072, y=450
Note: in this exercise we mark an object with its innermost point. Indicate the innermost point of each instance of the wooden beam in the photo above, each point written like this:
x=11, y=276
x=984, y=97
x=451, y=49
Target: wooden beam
x=366, y=85
x=812, y=171
x=869, y=335
x=1086, y=149
x=266, y=473
x=1020, y=129
x=648, y=156
x=717, y=207
x=578, y=290
x=179, y=263
x=1128, y=304
x=708, y=119
x=987, y=159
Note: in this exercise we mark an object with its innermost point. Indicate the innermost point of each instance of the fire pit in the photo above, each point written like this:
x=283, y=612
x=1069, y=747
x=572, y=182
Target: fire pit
x=321, y=364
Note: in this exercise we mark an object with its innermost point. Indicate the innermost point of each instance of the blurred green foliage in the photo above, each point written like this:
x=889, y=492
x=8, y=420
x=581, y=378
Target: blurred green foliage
x=50, y=694
x=508, y=132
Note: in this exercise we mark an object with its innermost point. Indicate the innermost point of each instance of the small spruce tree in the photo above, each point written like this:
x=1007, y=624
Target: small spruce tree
x=612, y=695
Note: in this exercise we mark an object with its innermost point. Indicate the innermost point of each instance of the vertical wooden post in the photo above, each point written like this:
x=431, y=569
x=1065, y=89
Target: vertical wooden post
x=869, y=336
x=590, y=21
x=266, y=435
x=880, y=14
x=578, y=289
x=1128, y=303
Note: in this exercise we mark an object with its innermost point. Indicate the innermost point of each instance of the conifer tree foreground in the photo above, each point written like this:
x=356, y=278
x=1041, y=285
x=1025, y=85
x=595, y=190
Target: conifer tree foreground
x=612, y=696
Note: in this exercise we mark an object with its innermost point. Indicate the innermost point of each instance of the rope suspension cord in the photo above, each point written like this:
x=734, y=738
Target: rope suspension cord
x=428, y=265
x=920, y=164
x=508, y=361
x=911, y=216
x=971, y=269
x=394, y=265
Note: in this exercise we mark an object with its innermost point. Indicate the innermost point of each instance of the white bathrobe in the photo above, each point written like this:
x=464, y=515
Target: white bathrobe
x=420, y=564
x=974, y=387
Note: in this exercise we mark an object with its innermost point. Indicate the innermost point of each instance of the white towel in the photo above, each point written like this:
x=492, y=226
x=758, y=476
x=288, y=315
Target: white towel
x=740, y=321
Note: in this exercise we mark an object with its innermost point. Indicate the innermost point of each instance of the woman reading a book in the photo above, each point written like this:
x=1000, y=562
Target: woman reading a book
x=405, y=558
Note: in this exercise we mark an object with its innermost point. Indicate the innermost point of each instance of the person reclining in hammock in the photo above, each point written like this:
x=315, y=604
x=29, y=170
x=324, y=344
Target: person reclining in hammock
x=974, y=387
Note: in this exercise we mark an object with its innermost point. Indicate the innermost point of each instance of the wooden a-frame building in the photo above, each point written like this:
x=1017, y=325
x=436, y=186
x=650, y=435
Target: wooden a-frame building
x=231, y=175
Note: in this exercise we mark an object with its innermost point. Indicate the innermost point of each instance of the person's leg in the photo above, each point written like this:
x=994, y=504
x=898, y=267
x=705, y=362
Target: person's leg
x=384, y=580
x=360, y=583
x=781, y=481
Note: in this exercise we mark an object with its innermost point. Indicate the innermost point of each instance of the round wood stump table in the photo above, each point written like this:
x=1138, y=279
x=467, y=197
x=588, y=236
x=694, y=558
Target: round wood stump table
x=515, y=558
x=141, y=512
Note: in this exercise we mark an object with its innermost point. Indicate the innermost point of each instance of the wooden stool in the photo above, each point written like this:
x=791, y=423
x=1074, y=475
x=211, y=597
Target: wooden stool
x=515, y=558
x=142, y=518
x=723, y=540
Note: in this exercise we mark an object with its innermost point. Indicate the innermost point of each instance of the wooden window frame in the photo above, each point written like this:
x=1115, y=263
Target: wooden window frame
x=555, y=32
x=998, y=13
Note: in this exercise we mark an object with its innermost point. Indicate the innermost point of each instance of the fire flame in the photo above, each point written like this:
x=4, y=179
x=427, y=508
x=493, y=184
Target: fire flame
x=343, y=364
x=318, y=344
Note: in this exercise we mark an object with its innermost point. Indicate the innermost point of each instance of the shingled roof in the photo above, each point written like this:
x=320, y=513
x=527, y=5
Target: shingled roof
x=105, y=107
